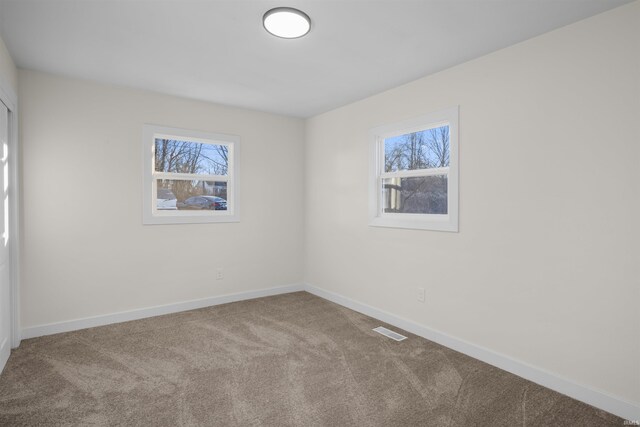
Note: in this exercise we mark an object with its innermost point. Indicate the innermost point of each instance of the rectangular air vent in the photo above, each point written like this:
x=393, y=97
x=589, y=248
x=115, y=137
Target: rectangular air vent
x=390, y=334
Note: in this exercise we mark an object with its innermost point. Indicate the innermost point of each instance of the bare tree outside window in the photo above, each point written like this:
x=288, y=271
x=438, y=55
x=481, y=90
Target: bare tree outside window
x=426, y=149
x=190, y=157
x=439, y=146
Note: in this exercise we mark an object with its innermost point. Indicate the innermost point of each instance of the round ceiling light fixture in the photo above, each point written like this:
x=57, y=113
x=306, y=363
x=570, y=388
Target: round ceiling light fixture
x=286, y=22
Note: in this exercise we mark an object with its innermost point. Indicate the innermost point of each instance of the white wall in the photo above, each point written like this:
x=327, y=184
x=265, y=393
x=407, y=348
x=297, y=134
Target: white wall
x=85, y=250
x=546, y=266
x=8, y=71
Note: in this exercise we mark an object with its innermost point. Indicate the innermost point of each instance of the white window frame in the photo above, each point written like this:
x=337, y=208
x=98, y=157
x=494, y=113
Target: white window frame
x=438, y=222
x=150, y=213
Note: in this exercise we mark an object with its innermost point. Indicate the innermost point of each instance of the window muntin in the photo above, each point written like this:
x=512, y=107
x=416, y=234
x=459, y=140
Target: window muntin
x=190, y=176
x=414, y=174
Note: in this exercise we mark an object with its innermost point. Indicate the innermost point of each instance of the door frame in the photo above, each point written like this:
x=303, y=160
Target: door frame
x=9, y=97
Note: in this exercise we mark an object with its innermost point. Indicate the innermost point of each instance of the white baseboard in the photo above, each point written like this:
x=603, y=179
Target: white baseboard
x=596, y=398
x=125, y=316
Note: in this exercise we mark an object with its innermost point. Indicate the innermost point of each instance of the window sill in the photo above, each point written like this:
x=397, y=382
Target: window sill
x=191, y=218
x=417, y=222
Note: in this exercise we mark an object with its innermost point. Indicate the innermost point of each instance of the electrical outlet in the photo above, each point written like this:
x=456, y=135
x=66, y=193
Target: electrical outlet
x=420, y=294
x=219, y=274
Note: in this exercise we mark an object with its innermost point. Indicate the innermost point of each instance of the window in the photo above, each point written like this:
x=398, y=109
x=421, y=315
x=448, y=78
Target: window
x=414, y=173
x=189, y=176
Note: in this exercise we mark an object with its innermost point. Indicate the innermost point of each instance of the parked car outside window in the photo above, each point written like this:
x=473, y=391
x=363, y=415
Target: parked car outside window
x=204, y=202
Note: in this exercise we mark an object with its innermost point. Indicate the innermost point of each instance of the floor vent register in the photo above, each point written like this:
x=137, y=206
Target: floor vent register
x=387, y=333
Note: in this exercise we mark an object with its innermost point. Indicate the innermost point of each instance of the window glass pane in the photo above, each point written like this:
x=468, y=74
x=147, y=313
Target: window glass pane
x=422, y=195
x=175, y=194
x=418, y=150
x=173, y=155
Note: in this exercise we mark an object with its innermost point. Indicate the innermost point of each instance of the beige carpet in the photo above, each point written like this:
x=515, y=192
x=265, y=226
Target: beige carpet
x=289, y=360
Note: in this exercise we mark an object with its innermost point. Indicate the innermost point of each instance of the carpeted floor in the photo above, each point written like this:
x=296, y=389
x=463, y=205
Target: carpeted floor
x=288, y=360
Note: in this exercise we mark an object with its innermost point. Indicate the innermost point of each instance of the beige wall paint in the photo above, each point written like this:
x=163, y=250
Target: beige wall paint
x=546, y=266
x=85, y=250
x=8, y=71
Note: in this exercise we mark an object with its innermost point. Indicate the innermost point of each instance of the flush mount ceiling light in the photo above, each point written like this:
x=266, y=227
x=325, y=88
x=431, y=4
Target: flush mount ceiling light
x=286, y=22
